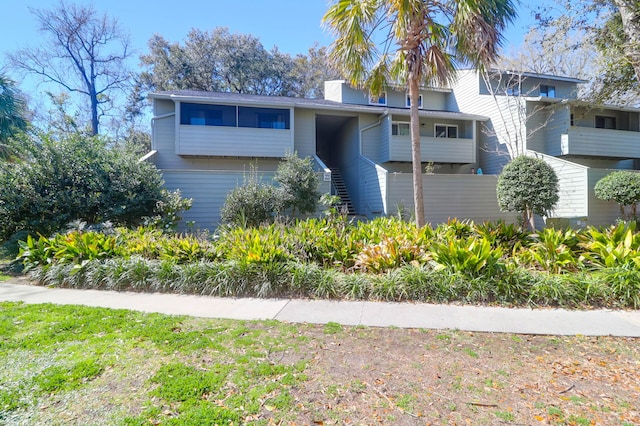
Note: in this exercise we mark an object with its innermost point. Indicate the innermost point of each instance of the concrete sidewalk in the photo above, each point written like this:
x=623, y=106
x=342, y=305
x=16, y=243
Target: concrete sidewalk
x=376, y=314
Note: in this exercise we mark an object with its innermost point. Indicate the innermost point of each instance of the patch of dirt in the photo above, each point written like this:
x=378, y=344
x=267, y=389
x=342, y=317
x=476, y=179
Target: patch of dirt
x=407, y=377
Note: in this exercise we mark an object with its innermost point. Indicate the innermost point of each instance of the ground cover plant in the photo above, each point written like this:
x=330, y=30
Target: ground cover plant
x=79, y=365
x=381, y=259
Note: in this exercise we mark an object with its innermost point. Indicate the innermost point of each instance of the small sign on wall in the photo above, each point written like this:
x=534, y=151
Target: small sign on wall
x=327, y=177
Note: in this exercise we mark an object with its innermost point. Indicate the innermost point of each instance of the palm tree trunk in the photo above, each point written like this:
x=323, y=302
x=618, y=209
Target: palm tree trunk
x=414, y=118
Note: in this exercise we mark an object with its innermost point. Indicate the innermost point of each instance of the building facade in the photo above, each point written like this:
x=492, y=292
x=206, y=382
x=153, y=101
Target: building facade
x=205, y=143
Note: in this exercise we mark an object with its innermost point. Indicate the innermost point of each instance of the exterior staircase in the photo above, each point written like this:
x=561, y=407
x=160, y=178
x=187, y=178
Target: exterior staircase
x=341, y=191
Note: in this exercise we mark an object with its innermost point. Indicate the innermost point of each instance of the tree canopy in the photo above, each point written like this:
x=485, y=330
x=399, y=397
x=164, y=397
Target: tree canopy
x=221, y=61
x=613, y=27
x=12, y=114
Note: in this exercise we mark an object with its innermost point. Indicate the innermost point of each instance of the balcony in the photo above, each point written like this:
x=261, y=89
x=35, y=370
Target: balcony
x=607, y=143
x=233, y=141
x=438, y=150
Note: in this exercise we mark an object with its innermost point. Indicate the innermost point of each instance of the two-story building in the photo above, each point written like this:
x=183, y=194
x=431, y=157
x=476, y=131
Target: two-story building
x=204, y=144
x=540, y=115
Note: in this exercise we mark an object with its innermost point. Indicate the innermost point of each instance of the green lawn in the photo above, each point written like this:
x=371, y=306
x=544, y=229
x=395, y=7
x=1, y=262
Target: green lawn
x=64, y=365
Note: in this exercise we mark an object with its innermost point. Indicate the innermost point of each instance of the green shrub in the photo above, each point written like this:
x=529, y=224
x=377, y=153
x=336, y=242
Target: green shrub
x=612, y=247
x=553, y=251
x=527, y=185
x=298, y=182
x=168, y=212
x=473, y=257
x=252, y=204
x=75, y=178
x=623, y=187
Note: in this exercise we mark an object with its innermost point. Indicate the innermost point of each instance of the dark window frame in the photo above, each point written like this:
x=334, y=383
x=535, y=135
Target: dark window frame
x=605, y=122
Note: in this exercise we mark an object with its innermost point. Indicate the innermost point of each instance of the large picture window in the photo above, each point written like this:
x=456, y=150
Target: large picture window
x=263, y=118
x=207, y=115
x=234, y=116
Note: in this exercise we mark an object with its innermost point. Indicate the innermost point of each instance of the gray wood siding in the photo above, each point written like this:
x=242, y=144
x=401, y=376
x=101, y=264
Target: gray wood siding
x=385, y=140
x=373, y=188
x=163, y=141
x=304, y=139
x=493, y=146
x=557, y=126
x=573, y=187
x=234, y=141
x=438, y=150
x=209, y=189
x=601, y=213
x=601, y=143
x=371, y=142
x=449, y=196
x=163, y=106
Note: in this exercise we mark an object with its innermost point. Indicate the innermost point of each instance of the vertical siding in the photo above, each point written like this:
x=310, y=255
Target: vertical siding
x=600, y=212
x=573, y=187
x=304, y=136
x=558, y=125
x=449, y=196
x=373, y=186
x=385, y=139
x=371, y=142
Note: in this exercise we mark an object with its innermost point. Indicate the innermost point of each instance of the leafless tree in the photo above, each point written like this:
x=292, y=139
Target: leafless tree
x=517, y=119
x=83, y=51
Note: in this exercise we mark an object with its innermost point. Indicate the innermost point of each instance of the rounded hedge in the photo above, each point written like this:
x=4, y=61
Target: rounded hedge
x=622, y=186
x=527, y=184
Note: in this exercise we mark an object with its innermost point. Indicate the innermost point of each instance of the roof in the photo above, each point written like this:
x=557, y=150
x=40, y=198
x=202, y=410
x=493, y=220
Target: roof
x=305, y=103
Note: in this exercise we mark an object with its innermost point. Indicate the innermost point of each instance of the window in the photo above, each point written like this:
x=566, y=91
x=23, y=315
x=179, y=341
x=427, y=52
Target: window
x=547, y=91
x=233, y=116
x=603, y=122
x=513, y=90
x=207, y=115
x=378, y=100
x=263, y=118
x=400, y=129
x=446, y=131
x=419, y=101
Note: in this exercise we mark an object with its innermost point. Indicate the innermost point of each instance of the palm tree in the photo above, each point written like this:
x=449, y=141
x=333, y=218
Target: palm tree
x=12, y=110
x=421, y=41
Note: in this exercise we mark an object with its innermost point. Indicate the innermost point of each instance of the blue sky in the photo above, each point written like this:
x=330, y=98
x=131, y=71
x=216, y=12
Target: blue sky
x=292, y=25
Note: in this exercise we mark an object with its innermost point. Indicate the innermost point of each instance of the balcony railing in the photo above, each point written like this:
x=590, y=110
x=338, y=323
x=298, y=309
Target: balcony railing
x=601, y=143
x=438, y=150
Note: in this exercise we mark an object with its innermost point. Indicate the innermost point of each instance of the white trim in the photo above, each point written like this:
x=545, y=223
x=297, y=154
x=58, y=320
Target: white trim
x=408, y=123
x=383, y=95
x=420, y=101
